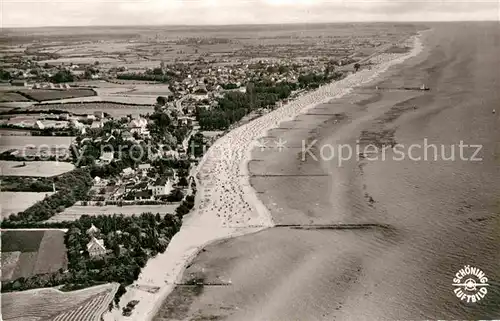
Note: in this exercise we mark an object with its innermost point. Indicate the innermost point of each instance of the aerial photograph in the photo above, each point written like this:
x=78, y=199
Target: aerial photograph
x=249, y=160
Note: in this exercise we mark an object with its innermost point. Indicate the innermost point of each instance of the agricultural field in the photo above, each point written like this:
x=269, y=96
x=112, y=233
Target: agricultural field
x=36, y=169
x=148, y=90
x=14, y=132
x=50, y=304
x=74, y=212
x=116, y=110
x=6, y=106
x=78, y=60
x=53, y=94
x=11, y=96
x=116, y=98
x=15, y=202
x=30, y=121
x=30, y=252
x=41, y=142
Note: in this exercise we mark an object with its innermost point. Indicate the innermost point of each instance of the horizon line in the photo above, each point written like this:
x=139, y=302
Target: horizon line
x=2, y=28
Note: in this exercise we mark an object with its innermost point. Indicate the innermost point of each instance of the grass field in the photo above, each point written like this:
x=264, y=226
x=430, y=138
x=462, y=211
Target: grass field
x=42, y=142
x=10, y=96
x=38, y=169
x=117, y=98
x=15, y=202
x=78, y=60
x=74, y=212
x=114, y=109
x=51, y=304
x=50, y=94
x=5, y=106
x=26, y=253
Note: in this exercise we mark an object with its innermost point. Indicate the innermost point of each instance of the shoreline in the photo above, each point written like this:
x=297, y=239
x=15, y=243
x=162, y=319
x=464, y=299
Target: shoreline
x=226, y=204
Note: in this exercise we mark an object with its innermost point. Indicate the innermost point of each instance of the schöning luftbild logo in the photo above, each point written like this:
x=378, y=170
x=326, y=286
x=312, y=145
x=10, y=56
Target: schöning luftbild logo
x=470, y=284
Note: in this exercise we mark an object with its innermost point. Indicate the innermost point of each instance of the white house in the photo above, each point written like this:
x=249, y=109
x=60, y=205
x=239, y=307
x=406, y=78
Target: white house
x=144, y=168
x=96, y=247
x=161, y=187
x=138, y=125
x=107, y=157
x=128, y=172
x=127, y=136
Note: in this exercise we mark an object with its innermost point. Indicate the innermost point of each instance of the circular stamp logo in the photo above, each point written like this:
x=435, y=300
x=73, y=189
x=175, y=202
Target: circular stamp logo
x=470, y=284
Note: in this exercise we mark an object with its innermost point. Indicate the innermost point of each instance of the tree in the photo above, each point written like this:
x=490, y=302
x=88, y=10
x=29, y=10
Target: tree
x=62, y=76
x=175, y=196
x=357, y=66
x=161, y=100
x=116, y=249
x=183, y=182
x=121, y=291
x=158, y=71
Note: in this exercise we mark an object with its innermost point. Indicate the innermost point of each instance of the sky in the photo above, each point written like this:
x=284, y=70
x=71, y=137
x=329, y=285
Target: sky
x=30, y=13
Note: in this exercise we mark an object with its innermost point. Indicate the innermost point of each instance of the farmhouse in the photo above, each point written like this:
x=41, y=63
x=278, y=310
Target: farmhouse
x=96, y=247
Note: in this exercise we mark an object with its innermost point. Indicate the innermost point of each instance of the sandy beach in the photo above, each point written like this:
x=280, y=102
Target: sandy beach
x=226, y=204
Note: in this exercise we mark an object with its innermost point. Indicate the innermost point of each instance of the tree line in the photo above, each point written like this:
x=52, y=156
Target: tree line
x=71, y=187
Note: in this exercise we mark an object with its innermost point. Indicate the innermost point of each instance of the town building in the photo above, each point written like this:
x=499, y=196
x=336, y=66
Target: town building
x=162, y=186
x=126, y=135
x=107, y=157
x=79, y=126
x=185, y=120
x=138, y=125
x=144, y=168
x=128, y=172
